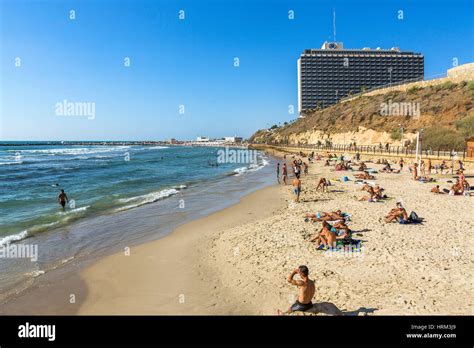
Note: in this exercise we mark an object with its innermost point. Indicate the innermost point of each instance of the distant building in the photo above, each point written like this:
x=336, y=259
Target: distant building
x=172, y=141
x=328, y=74
x=203, y=139
x=233, y=139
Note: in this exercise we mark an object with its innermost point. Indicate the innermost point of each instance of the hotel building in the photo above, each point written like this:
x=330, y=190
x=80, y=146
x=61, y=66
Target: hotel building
x=328, y=74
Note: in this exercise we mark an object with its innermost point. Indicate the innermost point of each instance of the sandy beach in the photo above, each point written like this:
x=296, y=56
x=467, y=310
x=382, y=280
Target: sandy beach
x=236, y=261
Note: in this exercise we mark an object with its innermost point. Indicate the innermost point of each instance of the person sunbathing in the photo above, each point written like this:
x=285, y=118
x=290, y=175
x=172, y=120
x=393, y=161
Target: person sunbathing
x=399, y=213
x=366, y=187
x=379, y=191
x=362, y=167
x=341, y=229
x=436, y=189
x=332, y=216
x=365, y=176
x=322, y=183
x=371, y=198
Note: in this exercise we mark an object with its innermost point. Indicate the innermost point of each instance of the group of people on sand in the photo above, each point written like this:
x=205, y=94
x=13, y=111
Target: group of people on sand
x=333, y=229
x=460, y=187
x=375, y=193
x=297, y=166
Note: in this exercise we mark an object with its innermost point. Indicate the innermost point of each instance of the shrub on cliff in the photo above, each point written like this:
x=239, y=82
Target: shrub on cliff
x=442, y=138
x=465, y=126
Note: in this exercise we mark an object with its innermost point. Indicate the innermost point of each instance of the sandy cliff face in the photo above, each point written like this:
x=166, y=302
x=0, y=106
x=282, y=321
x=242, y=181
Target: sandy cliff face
x=374, y=119
x=363, y=136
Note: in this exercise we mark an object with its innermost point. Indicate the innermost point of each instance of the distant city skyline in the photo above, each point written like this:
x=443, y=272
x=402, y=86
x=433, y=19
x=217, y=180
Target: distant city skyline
x=156, y=70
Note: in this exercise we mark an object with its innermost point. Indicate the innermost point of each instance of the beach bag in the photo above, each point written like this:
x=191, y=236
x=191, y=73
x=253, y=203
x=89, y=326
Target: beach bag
x=414, y=218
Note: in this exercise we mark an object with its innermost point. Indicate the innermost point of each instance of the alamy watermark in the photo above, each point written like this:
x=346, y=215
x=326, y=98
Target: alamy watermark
x=345, y=251
x=19, y=251
x=67, y=108
x=229, y=155
x=400, y=109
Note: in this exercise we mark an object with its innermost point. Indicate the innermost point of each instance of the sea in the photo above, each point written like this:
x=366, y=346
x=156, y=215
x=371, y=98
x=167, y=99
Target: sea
x=119, y=196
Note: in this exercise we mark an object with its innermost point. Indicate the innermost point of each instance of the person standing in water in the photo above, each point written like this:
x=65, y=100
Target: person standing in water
x=278, y=172
x=284, y=173
x=63, y=199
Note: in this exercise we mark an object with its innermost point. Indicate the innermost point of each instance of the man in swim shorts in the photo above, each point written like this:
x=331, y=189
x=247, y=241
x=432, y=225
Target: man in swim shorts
x=297, y=188
x=62, y=199
x=306, y=290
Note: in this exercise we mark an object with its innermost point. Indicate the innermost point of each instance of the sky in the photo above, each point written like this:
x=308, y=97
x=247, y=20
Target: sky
x=182, y=80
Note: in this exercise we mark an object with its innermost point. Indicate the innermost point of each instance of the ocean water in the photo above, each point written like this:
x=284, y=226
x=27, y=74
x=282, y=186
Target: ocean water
x=118, y=195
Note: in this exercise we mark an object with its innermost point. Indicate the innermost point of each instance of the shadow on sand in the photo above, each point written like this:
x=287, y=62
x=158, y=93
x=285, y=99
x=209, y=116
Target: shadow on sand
x=329, y=308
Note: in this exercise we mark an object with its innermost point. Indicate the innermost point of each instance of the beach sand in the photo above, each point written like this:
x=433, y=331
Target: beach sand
x=236, y=261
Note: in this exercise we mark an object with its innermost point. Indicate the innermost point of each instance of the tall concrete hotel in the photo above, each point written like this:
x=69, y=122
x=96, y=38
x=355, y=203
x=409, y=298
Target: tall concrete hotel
x=328, y=74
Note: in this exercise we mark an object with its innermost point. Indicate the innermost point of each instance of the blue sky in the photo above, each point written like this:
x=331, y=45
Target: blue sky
x=190, y=62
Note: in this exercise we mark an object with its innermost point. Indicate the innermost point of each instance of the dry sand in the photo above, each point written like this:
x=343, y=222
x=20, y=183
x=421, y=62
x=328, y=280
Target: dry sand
x=236, y=261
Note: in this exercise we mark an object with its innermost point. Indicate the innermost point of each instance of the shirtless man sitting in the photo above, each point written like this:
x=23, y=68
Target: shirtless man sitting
x=436, y=189
x=398, y=213
x=305, y=293
x=325, y=237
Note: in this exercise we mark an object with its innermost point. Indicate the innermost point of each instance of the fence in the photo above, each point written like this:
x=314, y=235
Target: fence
x=376, y=149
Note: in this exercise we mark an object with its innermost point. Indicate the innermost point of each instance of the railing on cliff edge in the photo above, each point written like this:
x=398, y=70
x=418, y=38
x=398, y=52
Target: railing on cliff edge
x=375, y=149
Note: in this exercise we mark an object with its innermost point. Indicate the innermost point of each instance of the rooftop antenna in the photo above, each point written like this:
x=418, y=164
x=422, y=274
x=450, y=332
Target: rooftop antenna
x=334, y=23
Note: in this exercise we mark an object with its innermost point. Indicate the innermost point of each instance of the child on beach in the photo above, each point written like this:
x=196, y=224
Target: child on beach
x=306, y=291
